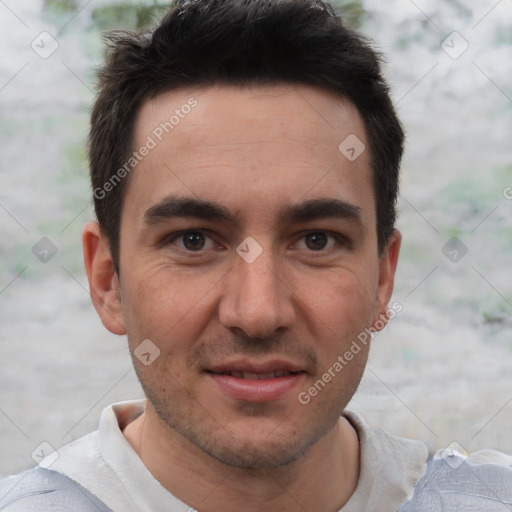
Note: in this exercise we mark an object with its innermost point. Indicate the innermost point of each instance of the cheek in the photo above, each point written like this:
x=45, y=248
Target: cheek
x=166, y=305
x=342, y=299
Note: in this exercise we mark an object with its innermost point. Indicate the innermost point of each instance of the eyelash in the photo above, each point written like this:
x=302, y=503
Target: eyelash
x=340, y=239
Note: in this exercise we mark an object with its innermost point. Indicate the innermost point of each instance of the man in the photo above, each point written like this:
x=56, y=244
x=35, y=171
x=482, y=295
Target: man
x=244, y=160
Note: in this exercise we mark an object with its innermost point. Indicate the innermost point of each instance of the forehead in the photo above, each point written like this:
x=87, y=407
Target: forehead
x=250, y=148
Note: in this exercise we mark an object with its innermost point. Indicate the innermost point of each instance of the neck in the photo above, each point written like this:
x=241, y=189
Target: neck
x=324, y=478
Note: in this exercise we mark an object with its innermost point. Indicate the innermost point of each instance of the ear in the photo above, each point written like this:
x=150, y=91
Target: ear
x=103, y=282
x=388, y=261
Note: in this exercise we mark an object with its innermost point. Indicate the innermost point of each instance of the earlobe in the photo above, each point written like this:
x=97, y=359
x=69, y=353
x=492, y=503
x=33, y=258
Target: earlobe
x=387, y=267
x=103, y=281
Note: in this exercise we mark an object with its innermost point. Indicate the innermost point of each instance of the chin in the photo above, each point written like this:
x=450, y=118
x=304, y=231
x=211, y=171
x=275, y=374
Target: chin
x=248, y=447
x=253, y=438
x=258, y=455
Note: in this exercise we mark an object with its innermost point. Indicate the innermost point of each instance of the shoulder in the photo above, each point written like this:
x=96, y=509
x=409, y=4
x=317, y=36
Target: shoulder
x=42, y=489
x=453, y=481
x=390, y=467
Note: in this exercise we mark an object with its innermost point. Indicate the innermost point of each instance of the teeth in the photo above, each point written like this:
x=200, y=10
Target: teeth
x=249, y=376
x=269, y=375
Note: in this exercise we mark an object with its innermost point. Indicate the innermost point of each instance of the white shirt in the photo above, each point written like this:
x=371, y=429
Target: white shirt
x=105, y=463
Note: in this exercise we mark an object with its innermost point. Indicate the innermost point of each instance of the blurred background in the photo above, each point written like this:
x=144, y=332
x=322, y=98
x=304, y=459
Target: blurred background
x=441, y=371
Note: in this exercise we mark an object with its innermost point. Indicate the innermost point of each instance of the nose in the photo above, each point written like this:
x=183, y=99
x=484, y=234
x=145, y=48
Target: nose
x=256, y=297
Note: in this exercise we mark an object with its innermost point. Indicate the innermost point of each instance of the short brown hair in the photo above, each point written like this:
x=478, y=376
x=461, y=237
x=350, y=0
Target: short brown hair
x=240, y=42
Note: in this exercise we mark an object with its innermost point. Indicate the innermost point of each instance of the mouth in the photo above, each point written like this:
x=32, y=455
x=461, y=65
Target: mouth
x=256, y=376
x=257, y=383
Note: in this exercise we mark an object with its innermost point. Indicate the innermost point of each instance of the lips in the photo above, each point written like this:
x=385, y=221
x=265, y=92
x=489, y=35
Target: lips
x=254, y=376
x=256, y=382
x=270, y=368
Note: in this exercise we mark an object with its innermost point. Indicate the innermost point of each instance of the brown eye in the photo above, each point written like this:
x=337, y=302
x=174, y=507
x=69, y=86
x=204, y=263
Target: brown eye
x=193, y=241
x=316, y=241
x=322, y=242
x=190, y=241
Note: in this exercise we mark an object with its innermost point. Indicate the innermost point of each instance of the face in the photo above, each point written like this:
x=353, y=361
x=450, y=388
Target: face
x=248, y=258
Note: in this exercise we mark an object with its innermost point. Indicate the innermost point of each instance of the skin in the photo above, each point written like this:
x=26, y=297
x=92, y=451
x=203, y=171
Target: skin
x=303, y=300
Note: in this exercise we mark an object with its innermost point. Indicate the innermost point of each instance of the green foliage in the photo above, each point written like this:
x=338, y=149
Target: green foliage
x=503, y=36
x=140, y=16
x=61, y=6
x=408, y=354
x=129, y=16
x=494, y=317
x=352, y=11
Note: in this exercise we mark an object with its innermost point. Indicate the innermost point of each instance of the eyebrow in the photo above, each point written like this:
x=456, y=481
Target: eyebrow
x=171, y=207
x=320, y=208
